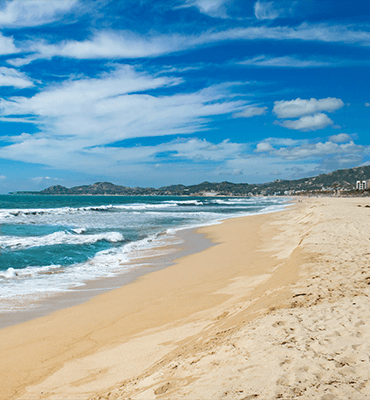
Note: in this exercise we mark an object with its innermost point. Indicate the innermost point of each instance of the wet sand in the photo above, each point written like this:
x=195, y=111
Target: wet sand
x=279, y=308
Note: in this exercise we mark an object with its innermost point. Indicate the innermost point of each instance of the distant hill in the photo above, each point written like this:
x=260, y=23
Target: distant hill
x=341, y=180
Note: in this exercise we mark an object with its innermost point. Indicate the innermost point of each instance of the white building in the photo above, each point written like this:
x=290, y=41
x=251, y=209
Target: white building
x=363, y=185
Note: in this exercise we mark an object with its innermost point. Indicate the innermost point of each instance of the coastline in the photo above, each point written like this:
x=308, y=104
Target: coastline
x=163, y=250
x=191, y=242
x=278, y=309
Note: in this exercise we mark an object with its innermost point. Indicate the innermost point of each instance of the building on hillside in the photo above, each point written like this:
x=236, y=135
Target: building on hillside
x=363, y=185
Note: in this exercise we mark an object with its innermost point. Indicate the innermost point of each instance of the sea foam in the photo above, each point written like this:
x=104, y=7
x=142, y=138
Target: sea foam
x=24, y=242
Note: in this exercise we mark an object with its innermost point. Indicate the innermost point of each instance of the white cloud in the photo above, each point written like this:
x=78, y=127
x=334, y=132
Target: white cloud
x=3, y=177
x=263, y=147
x=41, y=179
x=299, y=107
x=73, y=98
x=26, y=13
x=124, y=44
x=333, y=155
x=177, y=159
x=79, y=116
x=367, y=104
x=347, y=34
x=12, y=77
x=341, y=138
x=320, y=149
x=7, y=45
x=298, y=159
x=19, y=62
x=307, y=123
x=17, y=119
x=251, y=112
x=310, y=112
x=115, y=160
x=287, y=62
x=234, y=172
x=267, y=10
x=203, y=150
x=213, y=8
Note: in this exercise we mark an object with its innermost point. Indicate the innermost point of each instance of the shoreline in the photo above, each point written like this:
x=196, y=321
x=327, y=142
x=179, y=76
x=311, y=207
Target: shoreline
x=279, y=309
x=191, y=242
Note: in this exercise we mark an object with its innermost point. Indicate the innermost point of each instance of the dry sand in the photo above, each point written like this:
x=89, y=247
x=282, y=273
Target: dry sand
x=279, y=309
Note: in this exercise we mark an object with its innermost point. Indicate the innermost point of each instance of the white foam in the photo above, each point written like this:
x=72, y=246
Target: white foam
x=79, y=230
x=106, y=263
x=10, y=215
x=140, y=206
x=62, y=237
x=187, y=202
x=247, y=201
x=10, y=273
x=23, y=215
x=233, y=201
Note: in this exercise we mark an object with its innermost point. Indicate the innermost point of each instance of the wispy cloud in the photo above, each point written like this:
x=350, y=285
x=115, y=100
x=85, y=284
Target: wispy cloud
x=213, y=8
x=321, y=149
x=326, y=33
x=20, y=61
x=311, y=157
x=12, y=77
x=337, y=145
x=174, y=159
x=111, y=44
x=27, y=13
x=202, y=150
x=7, y=45
x=30, y=120
x=82, y=117
x=299, y=158
x=41, y=179
x=125, y=44
x=79, y=115
x=250, y=111
x=268, y=10
x=290, y=62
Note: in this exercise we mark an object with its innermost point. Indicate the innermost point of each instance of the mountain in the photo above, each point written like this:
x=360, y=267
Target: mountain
x=343, y=180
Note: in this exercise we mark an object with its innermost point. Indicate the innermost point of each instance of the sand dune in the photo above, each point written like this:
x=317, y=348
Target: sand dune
x=278, y=310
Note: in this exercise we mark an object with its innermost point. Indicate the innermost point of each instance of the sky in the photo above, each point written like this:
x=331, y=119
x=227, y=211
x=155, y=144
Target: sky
x=160, y=92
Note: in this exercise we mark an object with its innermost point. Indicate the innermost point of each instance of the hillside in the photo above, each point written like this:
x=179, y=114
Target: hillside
x=343, y=180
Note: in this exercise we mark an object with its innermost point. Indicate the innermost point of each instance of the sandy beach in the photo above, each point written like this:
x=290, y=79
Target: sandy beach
x=278, y=309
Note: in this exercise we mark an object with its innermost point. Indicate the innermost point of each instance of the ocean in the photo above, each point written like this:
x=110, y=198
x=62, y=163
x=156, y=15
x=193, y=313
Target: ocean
x=53, y=244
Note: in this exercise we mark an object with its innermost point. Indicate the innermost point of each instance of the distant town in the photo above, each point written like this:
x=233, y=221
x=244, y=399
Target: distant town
x=344, y=182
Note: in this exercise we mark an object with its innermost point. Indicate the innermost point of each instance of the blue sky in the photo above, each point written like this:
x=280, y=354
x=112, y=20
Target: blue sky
x=153, y=93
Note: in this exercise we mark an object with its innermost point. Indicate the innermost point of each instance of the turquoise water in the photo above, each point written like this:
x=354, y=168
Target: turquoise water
x=51, y=244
